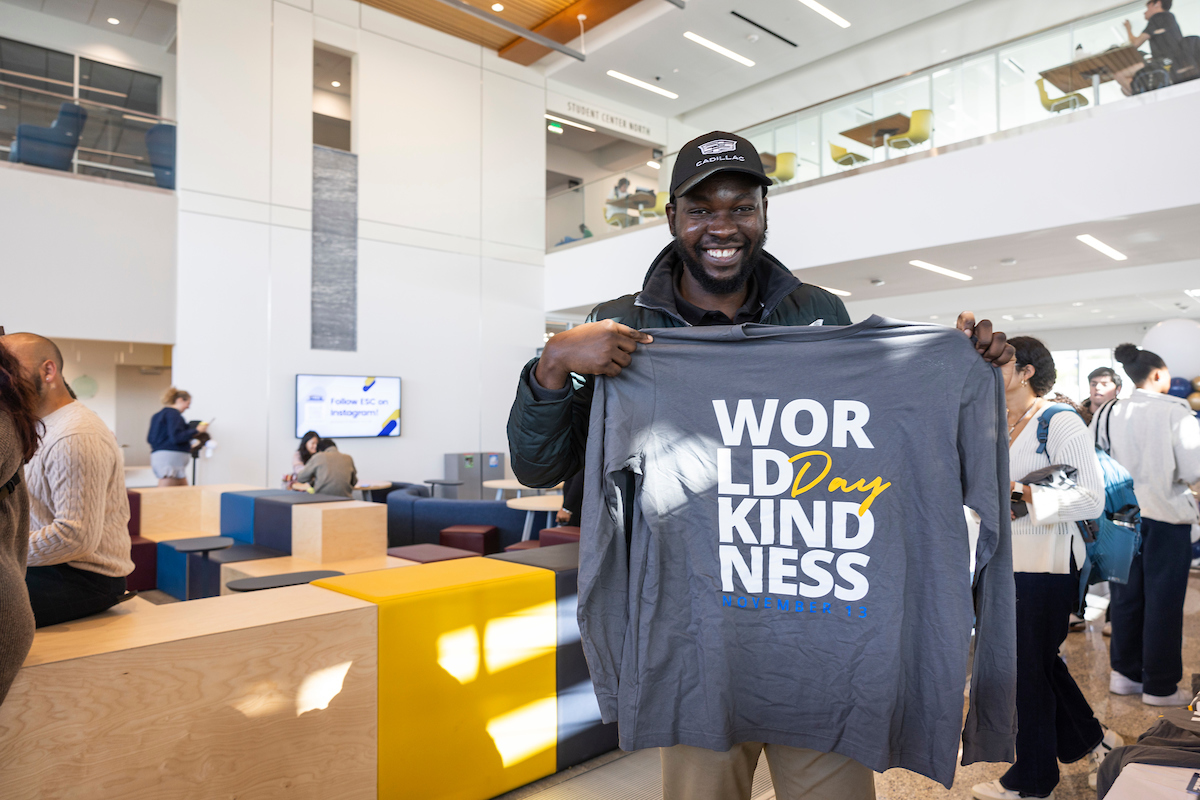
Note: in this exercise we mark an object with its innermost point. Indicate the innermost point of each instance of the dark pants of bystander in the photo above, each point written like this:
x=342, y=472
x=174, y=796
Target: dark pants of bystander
x=61, y=593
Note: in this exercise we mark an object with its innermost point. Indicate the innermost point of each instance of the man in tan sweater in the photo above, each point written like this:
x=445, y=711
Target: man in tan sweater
x=79, y=512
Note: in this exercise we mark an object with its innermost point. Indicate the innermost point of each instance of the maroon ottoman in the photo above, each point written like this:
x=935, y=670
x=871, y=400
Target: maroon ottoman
x=532, y=544
x=427, y=553
x=145, y=565
x=135, y=513
x=481, y=539
x=566, y=534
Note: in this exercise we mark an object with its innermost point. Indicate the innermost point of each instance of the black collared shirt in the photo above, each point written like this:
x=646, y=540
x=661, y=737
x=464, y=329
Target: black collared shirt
x=750, y=311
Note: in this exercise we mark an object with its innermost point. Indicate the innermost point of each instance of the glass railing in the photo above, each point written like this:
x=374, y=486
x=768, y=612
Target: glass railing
x=113, y=142
x=1049, y=74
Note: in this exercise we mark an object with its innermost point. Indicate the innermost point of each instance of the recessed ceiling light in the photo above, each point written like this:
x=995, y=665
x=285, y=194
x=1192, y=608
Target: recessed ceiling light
x=831, y=290
x=612, y=73
x=554, y=127
x=1192, y=293
x=826, y=13
x=114, y=21
x=553, y=118
x=933, y=316
x=1078, y=304
x=1095, y=311
x=654, y=165
x=1093, y=242
x=1006, y=317
x=497, y=7
x=949, y=273
x=336, y=84
x=1008, y=262
x=716, y=48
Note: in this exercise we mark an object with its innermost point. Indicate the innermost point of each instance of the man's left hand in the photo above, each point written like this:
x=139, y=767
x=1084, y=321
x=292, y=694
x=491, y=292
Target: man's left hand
x=992, y=345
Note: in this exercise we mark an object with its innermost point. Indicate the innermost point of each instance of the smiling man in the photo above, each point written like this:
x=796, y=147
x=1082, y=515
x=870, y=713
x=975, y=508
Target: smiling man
x=715, y=272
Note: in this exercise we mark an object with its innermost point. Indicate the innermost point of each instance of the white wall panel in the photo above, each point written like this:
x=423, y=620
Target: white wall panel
x=343, y=11
x=418, y=138
x=224, y=91
x=291, y=107
x=86, y=258
x=222, y=353
x=512, y=328
x=513, y=167
x=409, y=32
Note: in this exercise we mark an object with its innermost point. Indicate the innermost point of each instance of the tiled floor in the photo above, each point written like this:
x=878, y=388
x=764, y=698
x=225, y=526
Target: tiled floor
x=1087, y=658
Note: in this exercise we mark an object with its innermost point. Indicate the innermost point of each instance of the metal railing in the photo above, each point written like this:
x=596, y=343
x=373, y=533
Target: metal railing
x=112, y=143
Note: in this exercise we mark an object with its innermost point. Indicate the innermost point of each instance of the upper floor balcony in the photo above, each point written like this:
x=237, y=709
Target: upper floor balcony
x=1013, y=88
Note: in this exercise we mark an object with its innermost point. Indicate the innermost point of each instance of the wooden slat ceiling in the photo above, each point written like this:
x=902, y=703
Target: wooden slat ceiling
x=526, y=13
x=554, y=19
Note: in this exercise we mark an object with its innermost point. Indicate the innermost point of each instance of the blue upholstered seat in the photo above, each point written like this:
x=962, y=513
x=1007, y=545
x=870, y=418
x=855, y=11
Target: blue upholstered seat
x=160, y=144
x=51, y=147
x=418, y=519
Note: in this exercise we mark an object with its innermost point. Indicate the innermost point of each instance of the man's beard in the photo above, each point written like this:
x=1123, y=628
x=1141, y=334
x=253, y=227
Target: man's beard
x=721, y=286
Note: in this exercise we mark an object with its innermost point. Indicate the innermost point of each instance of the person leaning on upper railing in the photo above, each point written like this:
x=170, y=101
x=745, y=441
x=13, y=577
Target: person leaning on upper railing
x=20, y=431
x=79, y=548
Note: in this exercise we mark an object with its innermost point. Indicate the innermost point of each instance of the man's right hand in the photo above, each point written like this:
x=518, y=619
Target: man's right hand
x=594, y=348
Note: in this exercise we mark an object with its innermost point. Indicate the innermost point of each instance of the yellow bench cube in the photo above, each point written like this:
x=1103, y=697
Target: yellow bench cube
x=467, y=706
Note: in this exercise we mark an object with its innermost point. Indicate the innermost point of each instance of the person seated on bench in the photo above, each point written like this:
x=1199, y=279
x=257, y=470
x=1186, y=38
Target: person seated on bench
x=327, y=472
x=306, y=450
x=78, y=510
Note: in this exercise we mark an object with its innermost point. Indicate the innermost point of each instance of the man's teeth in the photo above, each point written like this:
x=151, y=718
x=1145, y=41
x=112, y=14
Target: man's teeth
x=726, y=253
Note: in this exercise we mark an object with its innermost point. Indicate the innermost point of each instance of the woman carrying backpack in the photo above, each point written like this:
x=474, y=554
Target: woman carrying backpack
x=1054, y=721
x=1157, y=438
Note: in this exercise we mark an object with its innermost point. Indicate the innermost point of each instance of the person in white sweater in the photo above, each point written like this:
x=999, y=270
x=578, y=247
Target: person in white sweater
x=79, y=547
x=1054, y=721
x=1157, y=438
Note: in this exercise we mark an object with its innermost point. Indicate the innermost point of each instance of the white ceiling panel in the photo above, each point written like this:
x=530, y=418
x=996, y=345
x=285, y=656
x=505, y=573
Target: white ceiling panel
x=32, y=5
x=73, y=10
x=157, y=23
x=126, y=11
x=658, y=53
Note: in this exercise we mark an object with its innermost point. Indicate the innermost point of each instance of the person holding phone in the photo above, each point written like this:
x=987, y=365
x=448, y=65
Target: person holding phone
x=170, y=439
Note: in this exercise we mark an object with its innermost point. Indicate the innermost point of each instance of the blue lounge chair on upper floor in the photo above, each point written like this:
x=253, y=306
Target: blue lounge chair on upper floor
x=51, y=147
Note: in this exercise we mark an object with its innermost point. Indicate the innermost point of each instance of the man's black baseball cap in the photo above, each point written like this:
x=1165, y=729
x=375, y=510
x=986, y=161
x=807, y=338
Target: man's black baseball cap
x=711, y=153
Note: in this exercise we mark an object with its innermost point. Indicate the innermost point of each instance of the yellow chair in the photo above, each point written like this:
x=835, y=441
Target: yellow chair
x=785, y=168
x=660, y=206
x=618, y=220
x=919, y=129
x=844, y=157
x=1067, y=102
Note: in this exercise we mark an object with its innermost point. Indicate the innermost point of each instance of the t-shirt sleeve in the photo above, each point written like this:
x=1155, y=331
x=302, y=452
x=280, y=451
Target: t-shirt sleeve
x=611, y=481
x=991, y=726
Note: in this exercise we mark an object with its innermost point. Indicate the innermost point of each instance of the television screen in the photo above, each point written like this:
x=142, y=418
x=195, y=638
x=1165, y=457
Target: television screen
x=347, y=406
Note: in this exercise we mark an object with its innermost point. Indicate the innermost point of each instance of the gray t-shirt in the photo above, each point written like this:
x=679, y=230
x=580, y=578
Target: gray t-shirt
x=774, y=545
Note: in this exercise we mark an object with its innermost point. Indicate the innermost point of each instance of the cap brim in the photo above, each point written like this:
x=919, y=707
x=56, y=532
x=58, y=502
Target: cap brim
x=695, y=180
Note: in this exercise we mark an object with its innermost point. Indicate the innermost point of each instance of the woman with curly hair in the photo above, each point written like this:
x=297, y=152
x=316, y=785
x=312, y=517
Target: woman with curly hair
x=20, y=432
x=1054, y=720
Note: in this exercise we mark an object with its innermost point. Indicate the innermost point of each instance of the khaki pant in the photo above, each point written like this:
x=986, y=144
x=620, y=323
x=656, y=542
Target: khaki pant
x=694, y=773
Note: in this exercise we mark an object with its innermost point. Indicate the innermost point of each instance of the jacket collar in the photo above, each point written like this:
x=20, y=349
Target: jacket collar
x=774, y=280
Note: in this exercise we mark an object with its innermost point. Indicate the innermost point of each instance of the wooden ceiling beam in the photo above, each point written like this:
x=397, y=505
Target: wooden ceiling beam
x=563, y=27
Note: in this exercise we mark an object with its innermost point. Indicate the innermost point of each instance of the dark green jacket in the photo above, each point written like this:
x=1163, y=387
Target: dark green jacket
x=547, y=438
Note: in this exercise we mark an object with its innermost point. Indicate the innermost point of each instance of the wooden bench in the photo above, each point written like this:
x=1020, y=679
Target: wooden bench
x=275, y=566
x=249, y=695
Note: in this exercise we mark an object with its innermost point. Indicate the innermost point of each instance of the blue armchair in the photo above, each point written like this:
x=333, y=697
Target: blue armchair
x=160, y=143
x=50, y=147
